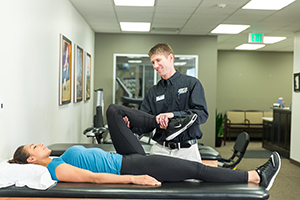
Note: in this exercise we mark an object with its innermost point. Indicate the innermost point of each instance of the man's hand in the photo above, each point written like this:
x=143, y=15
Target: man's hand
x=163, y=119
x=145, y=180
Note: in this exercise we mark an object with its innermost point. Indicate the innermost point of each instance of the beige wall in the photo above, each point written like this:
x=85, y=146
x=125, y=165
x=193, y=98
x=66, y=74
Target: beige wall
x=29, y=74
x=295, y=129
x=253, y=80
x=204, y=47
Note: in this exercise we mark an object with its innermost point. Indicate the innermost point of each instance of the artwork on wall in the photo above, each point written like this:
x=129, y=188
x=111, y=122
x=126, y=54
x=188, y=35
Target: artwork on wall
x=88, y=68
x=65, y=70
x=78, y=74
x=296, y=82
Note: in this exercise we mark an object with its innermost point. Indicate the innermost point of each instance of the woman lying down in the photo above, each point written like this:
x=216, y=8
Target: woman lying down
x=130, y=164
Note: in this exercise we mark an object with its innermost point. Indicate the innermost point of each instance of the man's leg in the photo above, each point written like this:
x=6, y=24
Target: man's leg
x=191, y=153
x=123, y=138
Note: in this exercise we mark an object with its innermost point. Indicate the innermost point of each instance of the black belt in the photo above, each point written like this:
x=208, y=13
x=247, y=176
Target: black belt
x=178, y=145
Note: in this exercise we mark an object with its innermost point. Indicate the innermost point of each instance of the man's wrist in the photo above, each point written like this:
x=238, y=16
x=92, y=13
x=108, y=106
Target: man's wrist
x=177, y=114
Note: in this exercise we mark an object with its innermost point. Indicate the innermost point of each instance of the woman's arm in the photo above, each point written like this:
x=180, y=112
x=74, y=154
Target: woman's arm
x=68, y=173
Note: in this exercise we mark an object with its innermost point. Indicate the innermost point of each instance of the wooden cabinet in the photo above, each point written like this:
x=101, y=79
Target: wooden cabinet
x=277, y=133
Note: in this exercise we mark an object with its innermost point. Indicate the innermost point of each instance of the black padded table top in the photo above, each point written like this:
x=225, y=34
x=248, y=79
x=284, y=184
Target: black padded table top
x=174, y=190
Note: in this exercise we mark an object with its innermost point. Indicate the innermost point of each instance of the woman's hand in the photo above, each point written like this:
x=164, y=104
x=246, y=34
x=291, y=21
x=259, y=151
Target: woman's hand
x=145, y=180
x=127, y=122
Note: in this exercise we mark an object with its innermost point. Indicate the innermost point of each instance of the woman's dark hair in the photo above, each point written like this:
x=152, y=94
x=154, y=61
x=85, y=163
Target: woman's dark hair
x=20, y=156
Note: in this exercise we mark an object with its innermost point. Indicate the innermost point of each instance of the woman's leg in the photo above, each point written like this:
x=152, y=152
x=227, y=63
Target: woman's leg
x=165, y=168
x=123, y=138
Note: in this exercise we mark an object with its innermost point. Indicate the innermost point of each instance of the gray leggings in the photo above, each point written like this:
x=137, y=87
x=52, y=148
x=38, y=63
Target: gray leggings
x=163, y=168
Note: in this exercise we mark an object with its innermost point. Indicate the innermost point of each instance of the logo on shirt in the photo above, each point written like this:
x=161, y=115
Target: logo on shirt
x=161, y=97
x=182, y=90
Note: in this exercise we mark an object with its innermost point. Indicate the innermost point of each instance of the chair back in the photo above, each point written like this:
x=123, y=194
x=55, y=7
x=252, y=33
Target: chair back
x=254, y=116
x=268, y=113
x=236, y=116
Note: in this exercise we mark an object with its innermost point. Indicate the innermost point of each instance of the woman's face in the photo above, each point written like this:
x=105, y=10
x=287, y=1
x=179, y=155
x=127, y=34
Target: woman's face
x=37, y=151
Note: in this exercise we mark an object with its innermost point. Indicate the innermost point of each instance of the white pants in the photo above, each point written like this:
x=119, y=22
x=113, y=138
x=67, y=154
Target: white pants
x=192, y=153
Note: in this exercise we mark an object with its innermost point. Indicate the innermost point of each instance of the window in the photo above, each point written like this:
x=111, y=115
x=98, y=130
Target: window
x=136, y=72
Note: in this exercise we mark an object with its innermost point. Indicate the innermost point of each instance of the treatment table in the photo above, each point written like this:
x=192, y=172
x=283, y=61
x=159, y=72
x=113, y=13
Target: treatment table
x=191, y=189
x=174, y=190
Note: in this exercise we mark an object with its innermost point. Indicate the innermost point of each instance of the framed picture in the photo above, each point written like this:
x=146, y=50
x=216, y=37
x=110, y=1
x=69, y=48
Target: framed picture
x=78, y=74
x=88, y=68
x=296, y=82
x=65, y=70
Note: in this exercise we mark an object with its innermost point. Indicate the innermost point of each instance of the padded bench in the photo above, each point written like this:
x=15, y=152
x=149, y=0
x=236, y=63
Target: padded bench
x=174, y=190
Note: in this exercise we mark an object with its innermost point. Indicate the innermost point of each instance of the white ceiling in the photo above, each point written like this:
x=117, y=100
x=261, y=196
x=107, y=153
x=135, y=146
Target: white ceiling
x=196, y=17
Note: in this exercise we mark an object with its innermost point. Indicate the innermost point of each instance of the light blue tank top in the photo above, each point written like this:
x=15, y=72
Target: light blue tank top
x=92, y=159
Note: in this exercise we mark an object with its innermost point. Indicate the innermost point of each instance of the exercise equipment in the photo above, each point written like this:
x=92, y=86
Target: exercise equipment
x=239, y=150
x=128, y=98
x=99, y=128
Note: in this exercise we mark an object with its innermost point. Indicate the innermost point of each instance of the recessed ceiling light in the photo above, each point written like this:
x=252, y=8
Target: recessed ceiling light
x=230, y=28
x=267, y=4
x=272, y=39
x=133, y=57
x=179, y=63
x=185, y=58
x=134, y=2
x=135, y=26
x=250, y=46
x=134, y=61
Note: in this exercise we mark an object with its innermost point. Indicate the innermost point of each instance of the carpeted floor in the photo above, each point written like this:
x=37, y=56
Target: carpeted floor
x=257, y=154
x=287, y=183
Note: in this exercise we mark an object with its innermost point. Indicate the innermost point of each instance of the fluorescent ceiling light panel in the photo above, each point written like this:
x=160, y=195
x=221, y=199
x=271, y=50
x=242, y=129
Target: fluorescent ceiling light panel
x=133, y=57
x=134, y=2
x=267, y=4
x=250, y=46
x=179, y=63
x=185, y=58
x=135, y=26
x=134, y=61
x=230, y=28
x=272, y=39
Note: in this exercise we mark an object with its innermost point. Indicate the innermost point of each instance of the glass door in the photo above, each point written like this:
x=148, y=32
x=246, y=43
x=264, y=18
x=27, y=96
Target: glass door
x=136, y=73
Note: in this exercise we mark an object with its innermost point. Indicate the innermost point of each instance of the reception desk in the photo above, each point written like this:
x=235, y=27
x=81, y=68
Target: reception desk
x=277, y=132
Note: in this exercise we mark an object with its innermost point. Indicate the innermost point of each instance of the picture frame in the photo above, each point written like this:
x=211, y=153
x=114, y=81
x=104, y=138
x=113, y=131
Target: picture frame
x=78, y=74
x=87, y=76
x=297, y=82
x=65, y=69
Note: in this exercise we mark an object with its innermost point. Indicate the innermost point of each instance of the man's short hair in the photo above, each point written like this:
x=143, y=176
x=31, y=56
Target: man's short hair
x=161, y=48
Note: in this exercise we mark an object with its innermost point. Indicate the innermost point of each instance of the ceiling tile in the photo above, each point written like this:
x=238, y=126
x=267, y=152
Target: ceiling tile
x=196, y=17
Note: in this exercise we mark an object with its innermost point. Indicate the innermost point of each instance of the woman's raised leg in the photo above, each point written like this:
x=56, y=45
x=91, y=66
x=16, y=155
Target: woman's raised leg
x=123, y=138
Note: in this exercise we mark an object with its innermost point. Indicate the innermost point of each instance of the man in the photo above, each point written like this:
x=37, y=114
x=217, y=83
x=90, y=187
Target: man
x=175, y=97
